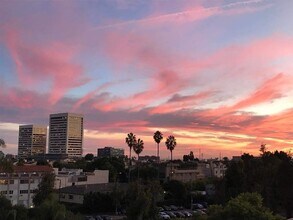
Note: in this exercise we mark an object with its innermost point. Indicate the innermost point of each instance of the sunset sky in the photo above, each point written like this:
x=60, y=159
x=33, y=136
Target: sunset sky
x=218, y=74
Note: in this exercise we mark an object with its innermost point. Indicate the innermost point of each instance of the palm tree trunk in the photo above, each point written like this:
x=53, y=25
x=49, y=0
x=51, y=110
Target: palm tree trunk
x=171, y=163
x=138, y=167
x=158, y=152
x=158, y=155
x=129, y=164
x=130, y=156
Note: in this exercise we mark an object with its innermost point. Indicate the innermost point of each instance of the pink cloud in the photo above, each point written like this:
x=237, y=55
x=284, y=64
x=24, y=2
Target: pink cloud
x=178, y=102
x=37, y=64
x=271, y=89
x=91, y=95
x=161, y=85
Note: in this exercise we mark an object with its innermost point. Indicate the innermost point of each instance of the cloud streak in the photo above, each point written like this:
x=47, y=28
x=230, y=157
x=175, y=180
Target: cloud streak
x=194, y=14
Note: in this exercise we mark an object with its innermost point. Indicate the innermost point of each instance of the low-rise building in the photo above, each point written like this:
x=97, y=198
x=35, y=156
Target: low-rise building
x=148, y=159
x=75, y=194
x=71, y=177
x=174, y=172
x=202, y=170
x=218, y=169
x=20, y=185
x=110, y=152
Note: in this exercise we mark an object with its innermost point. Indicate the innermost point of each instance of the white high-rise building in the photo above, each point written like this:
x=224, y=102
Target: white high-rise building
x=31, y=140
x=66, y=134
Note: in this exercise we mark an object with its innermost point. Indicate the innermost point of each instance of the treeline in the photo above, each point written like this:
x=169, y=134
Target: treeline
x=270, y=175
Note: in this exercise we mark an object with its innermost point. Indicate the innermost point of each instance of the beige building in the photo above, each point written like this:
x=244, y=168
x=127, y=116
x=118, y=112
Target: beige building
x=75, y=194
x=218, y=169
x=75, y=177
x=203, y=170
x=66, y=134
x=31, y=140
x=20, y=185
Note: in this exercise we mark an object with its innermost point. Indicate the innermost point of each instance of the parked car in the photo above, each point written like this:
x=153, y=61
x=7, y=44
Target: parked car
x=171, y=214
x=186, y=213
x=160, y=209
x=179, y=214
x=197, y=206
x=199, y=212
x=163, y=215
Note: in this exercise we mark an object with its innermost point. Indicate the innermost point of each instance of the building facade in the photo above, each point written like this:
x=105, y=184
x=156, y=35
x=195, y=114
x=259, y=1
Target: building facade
x=66, y=134
x=202, y=170
x=76, y=177
x=75, y=194
x=20, y=185
x=32, y=140
x=110, y=152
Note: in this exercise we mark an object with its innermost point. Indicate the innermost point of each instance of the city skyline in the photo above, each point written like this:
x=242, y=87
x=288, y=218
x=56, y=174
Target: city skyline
x=217, y=75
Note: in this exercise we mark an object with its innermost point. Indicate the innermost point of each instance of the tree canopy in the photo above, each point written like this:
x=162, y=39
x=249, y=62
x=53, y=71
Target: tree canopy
x=45, y=188
x=244, y=206
x=271, y=175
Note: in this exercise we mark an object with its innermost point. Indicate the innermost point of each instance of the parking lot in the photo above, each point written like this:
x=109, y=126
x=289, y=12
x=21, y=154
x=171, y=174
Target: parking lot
x=172, y=211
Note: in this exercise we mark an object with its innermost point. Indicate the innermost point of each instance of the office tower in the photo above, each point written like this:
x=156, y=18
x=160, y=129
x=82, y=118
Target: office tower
x=66, y=134
x=110, y=152
x=31, y=140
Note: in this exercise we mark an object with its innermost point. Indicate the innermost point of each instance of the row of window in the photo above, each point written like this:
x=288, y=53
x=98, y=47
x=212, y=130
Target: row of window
x=20, y=192
x=23, y=181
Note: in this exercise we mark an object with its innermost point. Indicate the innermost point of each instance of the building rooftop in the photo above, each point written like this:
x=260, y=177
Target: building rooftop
x=65, y=114
x=32, y=168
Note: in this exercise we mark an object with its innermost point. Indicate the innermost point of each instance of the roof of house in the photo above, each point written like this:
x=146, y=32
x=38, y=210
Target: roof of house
x=32, y=168
x=101, y=187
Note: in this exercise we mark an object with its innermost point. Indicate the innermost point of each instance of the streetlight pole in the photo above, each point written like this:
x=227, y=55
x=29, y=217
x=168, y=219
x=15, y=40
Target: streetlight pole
x=59, y=189
x=115, y=191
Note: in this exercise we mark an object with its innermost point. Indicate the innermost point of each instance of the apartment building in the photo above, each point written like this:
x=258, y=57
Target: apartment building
x=202, y=170
x=75, y=194
x=74, y=177
x=110, y=152
x=20, y=185
x=31, y=140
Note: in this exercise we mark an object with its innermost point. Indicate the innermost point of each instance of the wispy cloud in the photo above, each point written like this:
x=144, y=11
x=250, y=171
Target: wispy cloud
x=190, y=15
x=37, y=64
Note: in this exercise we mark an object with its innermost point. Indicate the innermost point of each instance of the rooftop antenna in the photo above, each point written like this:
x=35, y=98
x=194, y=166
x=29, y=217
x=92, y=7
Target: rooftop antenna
x=199, y=153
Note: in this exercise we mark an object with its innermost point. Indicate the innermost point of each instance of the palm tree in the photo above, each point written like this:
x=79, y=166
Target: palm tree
x=158, y=136
x=130, y=141
x=2, y=143
x=138, y=148
x=171, y=144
